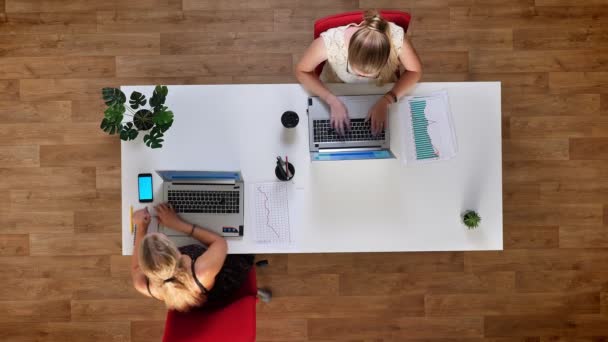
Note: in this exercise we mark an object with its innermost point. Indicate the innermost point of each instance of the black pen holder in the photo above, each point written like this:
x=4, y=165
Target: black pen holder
x=280, y=172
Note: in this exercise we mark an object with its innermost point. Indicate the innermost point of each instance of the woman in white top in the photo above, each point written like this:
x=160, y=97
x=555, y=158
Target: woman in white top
x=371, y=51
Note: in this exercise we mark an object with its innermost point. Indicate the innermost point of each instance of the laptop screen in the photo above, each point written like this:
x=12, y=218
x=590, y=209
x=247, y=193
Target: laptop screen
x=199, y=175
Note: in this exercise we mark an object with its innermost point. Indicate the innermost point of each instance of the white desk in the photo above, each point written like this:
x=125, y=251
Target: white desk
x=346, y=206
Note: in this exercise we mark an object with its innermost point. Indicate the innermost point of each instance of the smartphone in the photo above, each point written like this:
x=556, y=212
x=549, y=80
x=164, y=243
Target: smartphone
x=144, y=181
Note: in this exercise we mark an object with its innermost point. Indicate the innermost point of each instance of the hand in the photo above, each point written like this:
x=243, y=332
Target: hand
x=339, y=116
x=167, y=216
x=141, y=219
x=378, y=114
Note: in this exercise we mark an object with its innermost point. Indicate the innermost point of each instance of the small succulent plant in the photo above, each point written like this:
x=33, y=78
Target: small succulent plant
x=471, y=219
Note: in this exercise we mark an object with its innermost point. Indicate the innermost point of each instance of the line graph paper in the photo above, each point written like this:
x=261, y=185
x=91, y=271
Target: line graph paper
x=272, y=214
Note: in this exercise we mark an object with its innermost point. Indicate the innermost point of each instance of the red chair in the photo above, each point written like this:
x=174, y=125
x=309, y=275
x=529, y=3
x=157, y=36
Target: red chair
x=400, y=18
x=234, y=322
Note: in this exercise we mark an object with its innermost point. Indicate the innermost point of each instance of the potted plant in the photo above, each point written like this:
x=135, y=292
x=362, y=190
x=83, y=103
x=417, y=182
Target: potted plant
x=471, y=219
x=155, y=118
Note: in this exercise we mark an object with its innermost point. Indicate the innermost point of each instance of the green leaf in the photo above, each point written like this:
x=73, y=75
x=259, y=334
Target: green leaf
x=143, y=119
x=165, y=127
x=159, y=96
x=115, y=112
x=154, y=138
x=163, y=116
x=110, y=127
x=112, y=96
x=137, y=99
x=128, y=132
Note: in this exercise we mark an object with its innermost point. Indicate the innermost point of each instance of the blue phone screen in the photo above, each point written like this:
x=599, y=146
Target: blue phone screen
x=145, y=188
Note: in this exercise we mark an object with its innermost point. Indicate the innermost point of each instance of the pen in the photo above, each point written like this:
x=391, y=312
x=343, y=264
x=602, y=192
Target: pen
x=287, y=166
x=131, y=219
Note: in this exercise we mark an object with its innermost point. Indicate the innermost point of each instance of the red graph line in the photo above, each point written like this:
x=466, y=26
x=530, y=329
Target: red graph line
x=267, y=211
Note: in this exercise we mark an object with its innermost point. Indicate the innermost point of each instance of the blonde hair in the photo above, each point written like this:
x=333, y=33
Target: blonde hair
x=371, y=50
x=160, y=261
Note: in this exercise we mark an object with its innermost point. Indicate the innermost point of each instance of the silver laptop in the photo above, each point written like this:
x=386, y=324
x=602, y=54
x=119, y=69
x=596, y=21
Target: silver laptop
x=209, y=199
x=357, y=143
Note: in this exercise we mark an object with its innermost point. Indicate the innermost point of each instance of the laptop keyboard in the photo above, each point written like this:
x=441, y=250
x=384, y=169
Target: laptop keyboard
x=212, y=202
x=360, y=130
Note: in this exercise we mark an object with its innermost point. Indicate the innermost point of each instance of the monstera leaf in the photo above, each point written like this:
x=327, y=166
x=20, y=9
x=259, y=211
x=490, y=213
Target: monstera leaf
x=128, y=132
x=115, y=112
x=137, y=99
x=110, y=127
x=154, y=138
x=159, y=96
x=112, y=96
x=143, y=119
x=163, y=116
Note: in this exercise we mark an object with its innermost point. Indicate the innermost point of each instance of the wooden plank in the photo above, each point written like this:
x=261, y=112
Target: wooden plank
x=574, y=192
x=583, y=236
x=555, y=126
x=107, y=177
x=205, y=65
x=566, y=38
x=535, y=149
x=47, y=178
x=551, y=215
x=210, y=5
x=99, y=44
x=117, y=310
x=54, y=133
x=75, y=244
x=49, y=67
x=538, y=61
x=120, y=265
x=56, y=266
x=165, y=21
x=604, y=104
x=35, y=112
x=341, y=306
x=299, y=19
x=145, y=331
x=525, y=16
x=589, y=148
x=36, y=222
x=264, y=79
x=517, y=83
x=529, y=260
x=552, y=105
x=14, y=245
x=65, y=331
x=521, y=193
x=57, y=5
x=35, y=311
x=291, y=286
x=578, y=82
x=561, y=281
x=76, y=199
x=35, y=23
x=395, y=327
x=87, y=111
x=461, y=40
x=569, y=3
x=80, y=155
x=395, y=284
x=445, y=61
x=280, y=329
x=400, y=4
x=553, y=170
x=545, y=325
x=516, y=236
x=97, y=221
x=277, y=262
x=511, y=304
x=374, y=263
x=193, y=43
x=19, y=156
x=445, y=77
x=430, y=18
x=9, y=89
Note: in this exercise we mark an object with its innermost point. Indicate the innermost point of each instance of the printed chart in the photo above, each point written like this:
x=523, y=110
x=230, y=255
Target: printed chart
x=272, y=214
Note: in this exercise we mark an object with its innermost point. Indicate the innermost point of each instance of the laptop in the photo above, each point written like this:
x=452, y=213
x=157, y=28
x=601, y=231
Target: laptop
x=357, y=143
x=209, y=199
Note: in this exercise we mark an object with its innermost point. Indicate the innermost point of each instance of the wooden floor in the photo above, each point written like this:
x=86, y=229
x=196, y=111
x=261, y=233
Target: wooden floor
x=63, y=278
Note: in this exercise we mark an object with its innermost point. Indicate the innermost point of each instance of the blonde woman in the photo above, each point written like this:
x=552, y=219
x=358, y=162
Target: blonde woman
x=370, y=51
x=188, y=276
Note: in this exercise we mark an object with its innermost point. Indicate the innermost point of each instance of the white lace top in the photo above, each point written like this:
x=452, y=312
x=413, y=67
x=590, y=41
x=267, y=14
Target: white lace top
x=334, y=70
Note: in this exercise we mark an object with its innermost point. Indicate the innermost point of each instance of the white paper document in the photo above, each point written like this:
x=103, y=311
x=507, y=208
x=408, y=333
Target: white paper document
x=429, y=129
x=272, y=225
